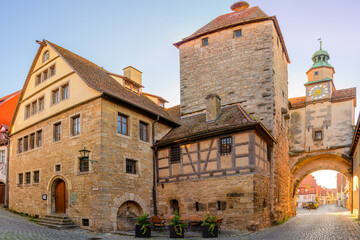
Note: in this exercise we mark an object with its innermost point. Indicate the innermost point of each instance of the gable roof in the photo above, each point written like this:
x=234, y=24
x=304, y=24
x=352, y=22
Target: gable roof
x=233, y=118
x=7, y=107
x=99, y=79
x=229, y=20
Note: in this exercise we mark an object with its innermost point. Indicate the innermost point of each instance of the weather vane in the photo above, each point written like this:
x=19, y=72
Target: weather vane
x=320, y=43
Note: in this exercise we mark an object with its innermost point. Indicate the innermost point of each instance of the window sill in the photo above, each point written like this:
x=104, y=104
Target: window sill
x=122, y=135
x=83, y=173
x=74, y=136
x=132, y=175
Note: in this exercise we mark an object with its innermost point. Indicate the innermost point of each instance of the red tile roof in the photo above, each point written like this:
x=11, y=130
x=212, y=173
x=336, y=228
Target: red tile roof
x=98, y=78
x=7, y=107
x=233, y=19
x=297, y=102
x=232, y=118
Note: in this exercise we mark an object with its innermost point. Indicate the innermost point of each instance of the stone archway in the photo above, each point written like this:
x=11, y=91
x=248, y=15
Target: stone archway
x=302, y=166
x=127, y=214
x=58, y=185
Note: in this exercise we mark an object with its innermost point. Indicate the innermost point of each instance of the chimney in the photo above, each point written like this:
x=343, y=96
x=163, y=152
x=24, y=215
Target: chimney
x=133, y=74
x=213, y=107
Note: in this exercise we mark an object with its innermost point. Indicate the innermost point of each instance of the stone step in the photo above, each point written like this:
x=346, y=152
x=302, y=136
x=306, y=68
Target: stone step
x=56, y=221
x=56, y=226
x=68, y=222
x=59, y=216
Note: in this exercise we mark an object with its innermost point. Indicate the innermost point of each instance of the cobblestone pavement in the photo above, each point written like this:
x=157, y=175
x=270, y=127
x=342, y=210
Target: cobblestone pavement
x=327, y=222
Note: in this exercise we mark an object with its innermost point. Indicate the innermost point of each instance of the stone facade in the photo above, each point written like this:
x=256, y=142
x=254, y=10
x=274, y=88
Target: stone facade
x=355, y=155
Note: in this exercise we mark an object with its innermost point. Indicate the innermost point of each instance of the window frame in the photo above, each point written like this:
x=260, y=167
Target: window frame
x=20, y=145
x=46, y=56
x=38, y=139
x=119, y=127
x=41, y=103
x=36, y=177
x=27, y=177
x=26, y=143
x=235, y=33
x=205, y=42
x=175, y=153
x=84, y=163
x=20, y=178
x=64, y=91
x=72, y=125
x=132, y=167
x=27, y=113
x=57, y=135
x=55, y=96
x=31, y=141
x=141, y=131
x=2, y=156
x=225, y=145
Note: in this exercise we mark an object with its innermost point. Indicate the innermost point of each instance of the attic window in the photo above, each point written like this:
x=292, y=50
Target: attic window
x=135, y=89
x=127, y=85
x=204, y=42
x=46, y=56
x=161, y=104
x=237, y=33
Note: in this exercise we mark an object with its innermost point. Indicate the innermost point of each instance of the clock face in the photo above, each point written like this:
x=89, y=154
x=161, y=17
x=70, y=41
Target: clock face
x=318, y=92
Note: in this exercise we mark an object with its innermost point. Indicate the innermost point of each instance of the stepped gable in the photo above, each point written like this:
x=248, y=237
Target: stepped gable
x=98, y=78
x=232, y=118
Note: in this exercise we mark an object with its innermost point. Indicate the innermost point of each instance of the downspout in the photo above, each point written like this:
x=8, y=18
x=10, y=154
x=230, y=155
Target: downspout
x=154, y=166
x=7, y=171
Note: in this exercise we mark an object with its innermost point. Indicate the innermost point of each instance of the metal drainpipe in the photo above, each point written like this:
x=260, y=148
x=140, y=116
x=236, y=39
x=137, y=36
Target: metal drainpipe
x=7, y=171
x=154, y=166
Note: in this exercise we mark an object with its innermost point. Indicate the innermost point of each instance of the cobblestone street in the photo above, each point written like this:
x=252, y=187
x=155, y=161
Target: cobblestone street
x=328, y=222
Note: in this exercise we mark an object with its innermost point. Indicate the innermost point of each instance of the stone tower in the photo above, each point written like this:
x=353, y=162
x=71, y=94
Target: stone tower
x=241, y=56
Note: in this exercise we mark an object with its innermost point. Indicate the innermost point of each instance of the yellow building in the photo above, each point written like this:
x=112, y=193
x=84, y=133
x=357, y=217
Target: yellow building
x=67, y=104
x=355, y=155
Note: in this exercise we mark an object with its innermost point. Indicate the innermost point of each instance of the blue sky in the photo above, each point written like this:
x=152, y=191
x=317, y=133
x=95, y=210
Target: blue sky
x=116, y=34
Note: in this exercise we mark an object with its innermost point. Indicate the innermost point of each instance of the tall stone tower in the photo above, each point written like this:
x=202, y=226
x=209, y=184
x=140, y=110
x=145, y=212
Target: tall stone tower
x=241, y=56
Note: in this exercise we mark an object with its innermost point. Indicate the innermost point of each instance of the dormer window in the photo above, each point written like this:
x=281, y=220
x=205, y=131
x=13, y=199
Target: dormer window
x=46, y=56
x=135, y=89
x=127, y=85
x=161, y=104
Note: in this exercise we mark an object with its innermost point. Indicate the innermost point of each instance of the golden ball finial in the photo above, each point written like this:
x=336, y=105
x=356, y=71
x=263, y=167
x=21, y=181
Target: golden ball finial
x=239, y=6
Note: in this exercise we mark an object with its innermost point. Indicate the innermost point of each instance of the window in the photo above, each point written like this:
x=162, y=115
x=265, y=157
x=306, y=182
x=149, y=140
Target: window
x=2, y=156
x=135, y=89
x=318, y=135
x=85, y=222
x=130, y=166
x=26, y=143
x=75, y=125
x=55, y=96
x=123, y=124
x=204, y=42
x=175, y=153
x=46, y=56
x=20, y=145
x=38, y=79
x=21, y=179
x=57, y=167
x=65, y=91
x=52, y=71
x=197, y=206
x=39, y=138
x=57, y=132
x=41, y=104
x=161, y=104
x=316, y=73
x=45, y=74
x=127, y=85
x=32, y=141
x=27, y=111
x=143, y=129
x=28, y=178
x=237, y=33
x=36, y=176
x=33, y=107
x=84, y=165
x=225, y=145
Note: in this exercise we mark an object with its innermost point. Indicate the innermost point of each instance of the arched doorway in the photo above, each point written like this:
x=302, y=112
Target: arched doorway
x=127, y=214
x=2, y=193
x=174, y=206
x=59, y=196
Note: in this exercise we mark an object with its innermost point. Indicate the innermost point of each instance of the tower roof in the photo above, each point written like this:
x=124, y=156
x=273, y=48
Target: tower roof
x=320, y=58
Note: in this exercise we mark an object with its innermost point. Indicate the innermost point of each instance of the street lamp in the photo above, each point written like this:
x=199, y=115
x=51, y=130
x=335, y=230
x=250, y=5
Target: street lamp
x=84, y=155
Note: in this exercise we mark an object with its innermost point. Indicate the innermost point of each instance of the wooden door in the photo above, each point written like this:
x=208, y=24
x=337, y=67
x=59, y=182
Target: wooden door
x=60, y=197
x=2, y=193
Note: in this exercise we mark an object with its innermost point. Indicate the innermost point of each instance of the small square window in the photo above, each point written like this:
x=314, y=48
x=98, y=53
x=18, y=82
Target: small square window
x=21, y=178
x=143, y=131
x=316, y=73
x=225, y=145
x=57, y=168
x=57, y=132
x=130, y=166
x=85, y=222
x=36, y=176
x=28, y=178
x=75, y=125
x=318, y=135
x=237, y=33
x=204, y=42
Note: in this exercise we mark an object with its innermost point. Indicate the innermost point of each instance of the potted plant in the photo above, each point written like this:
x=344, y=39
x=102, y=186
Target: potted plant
x=176, y=227
x=143, y=226
x=210, y=226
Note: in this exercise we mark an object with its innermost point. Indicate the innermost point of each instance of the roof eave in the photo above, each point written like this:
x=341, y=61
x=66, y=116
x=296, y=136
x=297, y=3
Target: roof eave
x=355, y=138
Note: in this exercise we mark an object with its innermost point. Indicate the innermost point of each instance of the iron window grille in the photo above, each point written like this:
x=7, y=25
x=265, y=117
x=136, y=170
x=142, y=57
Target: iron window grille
x=175, y=154
x=225, y=145
x=84, y=165
x=130, y=166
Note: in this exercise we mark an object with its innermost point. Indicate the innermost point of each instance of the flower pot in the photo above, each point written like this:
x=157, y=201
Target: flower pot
x=140, y=232
x=178, y=233
x=210, y=234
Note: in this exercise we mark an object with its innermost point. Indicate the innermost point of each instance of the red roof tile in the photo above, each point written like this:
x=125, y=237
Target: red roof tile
x=98, y=78
x=297, y=102
x=7, y=107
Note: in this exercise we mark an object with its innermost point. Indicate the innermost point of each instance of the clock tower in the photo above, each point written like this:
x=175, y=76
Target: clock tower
x=320, y=77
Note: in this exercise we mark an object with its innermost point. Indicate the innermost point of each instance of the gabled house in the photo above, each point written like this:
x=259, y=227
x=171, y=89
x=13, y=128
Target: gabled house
x=70, y=104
